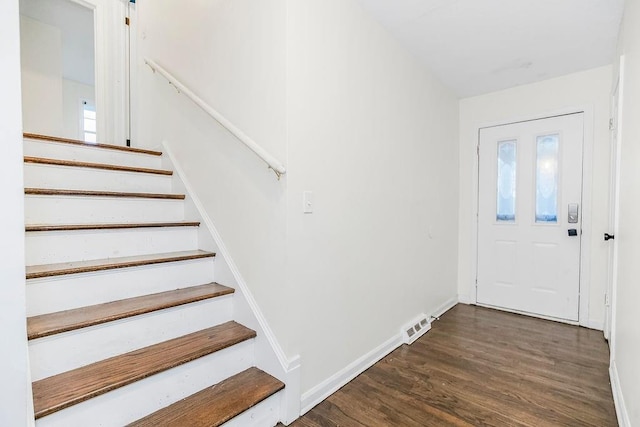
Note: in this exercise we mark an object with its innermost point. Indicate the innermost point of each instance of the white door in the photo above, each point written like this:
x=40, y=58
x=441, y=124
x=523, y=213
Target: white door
x=614, y=185
x=529, y=216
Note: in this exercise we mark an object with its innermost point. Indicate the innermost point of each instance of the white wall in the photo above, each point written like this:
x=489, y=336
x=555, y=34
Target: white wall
x=626, y=333
x=72, y=94
x=15, y=390
x=374, y=135
x=41, y=58
x=326, y=90
x=232, y=54
x=589, y=88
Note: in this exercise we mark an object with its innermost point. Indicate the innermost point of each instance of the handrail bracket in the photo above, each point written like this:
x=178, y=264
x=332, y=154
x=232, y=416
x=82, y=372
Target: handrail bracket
x=271, y=162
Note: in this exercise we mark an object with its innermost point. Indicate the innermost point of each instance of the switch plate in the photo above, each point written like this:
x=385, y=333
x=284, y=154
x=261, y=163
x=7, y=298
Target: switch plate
x=307, y=202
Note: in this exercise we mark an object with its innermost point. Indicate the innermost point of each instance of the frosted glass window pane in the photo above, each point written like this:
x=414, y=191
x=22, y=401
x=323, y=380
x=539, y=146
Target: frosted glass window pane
x=547, y=178
x=506, y=199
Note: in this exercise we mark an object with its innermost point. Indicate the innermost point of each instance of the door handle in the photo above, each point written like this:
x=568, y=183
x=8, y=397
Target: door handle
x=608, y=237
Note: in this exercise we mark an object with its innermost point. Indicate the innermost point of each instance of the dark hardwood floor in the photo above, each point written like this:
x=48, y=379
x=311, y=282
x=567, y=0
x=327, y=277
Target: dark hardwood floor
x=479, y=367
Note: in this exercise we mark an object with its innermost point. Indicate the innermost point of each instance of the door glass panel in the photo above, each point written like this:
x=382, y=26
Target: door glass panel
x=506, y=197
x=547, y=178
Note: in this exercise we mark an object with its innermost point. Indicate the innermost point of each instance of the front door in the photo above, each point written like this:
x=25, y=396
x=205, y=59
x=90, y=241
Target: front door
x=529, y=216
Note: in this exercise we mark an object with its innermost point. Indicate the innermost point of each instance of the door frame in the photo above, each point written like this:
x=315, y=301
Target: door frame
x=587, y=176
x=614, y=185
x=110, y=68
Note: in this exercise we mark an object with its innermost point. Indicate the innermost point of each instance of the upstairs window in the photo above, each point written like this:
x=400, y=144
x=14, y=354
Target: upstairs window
x=89, y=127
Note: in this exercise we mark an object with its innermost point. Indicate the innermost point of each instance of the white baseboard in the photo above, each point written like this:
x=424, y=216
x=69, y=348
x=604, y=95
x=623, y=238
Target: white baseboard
x=598, y=326
x=329, y=386
x=446, y=306
x=465, y=299
x=618, y=398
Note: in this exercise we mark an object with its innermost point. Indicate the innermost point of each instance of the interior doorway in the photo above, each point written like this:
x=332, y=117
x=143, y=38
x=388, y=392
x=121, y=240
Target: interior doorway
x=74, y=69
x=530, y=216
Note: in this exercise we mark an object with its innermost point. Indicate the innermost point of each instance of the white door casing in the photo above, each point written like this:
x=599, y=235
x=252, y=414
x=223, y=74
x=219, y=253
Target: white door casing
x=526, y=264
x=614, y=186
x=111, y=64
x=110, y=67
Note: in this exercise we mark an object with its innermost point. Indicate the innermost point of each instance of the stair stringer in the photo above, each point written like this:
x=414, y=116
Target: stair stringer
x=269, y=355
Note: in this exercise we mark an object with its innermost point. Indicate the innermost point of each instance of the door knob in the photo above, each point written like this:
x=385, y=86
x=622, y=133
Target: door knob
x=608, y=237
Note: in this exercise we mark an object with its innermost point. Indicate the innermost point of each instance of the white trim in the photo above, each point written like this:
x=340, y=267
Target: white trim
x=466, y=299
x=598, y=326
x=284, y=361
x=329, y=386
x=613, y=286
x=134, y=69
x=618, y=398
x=289, y=368
x=587, y=176
x=587, y=209
x=110, y=67
x=592, y=324
x=444, y=307
x=290, y=402
x=271, y=161
x=526, y=313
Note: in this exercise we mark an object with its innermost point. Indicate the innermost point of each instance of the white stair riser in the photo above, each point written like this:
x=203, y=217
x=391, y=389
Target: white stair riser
x=64, y=246
x=60, y=151
x=75, y=178
x=132, y=402
x=84, y=210
x=52, y=294
x=63, y=352
x=265, y=413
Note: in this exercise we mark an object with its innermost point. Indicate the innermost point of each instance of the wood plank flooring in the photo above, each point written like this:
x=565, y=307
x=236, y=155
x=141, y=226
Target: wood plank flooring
x=481, y=367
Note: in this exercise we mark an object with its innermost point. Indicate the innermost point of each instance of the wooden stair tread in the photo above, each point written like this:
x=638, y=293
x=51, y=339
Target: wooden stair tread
x=105, y=166
x=69, y=320
x=48, y=138
x=107, y=226
x=91, y=193
x=69, y=388
x=216, y=405
x=59, y=269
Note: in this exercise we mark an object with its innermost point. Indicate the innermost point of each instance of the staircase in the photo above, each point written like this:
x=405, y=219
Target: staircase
x=126, y=324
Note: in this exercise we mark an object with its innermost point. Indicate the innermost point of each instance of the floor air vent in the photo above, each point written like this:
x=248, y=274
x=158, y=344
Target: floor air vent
x=415, y=329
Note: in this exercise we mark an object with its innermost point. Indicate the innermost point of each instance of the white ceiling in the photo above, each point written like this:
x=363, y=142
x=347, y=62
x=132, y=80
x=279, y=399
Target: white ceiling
x=480, y=46
x=76, y=25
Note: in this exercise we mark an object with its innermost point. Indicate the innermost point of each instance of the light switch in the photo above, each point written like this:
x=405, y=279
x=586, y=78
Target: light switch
x=307, y=202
